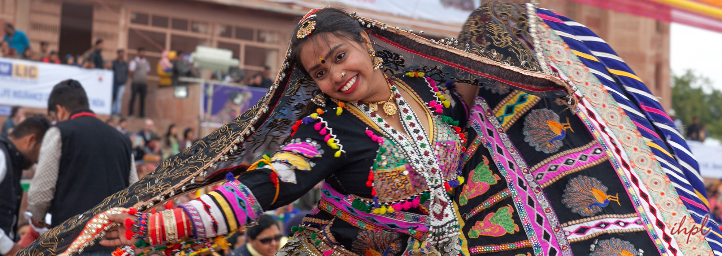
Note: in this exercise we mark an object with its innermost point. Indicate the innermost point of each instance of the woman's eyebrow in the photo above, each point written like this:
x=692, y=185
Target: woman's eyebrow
x=328, y=55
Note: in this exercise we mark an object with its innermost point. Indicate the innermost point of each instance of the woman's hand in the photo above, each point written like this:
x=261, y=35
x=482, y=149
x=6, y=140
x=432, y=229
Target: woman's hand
x=116, y=236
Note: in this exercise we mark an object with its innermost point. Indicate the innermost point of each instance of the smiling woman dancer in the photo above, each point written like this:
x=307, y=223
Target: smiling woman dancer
x=383, y=144
x=381, y=116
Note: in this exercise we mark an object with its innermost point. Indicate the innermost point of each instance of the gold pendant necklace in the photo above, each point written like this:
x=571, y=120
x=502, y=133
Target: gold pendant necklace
x=389, y=106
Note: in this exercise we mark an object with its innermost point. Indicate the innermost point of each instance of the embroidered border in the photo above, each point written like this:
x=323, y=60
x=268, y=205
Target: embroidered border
x=501, y=147
x=501, y=195
x=511, y=108
x=573, y=170
x=499, y=247
x=586, y=230
x=599, y=217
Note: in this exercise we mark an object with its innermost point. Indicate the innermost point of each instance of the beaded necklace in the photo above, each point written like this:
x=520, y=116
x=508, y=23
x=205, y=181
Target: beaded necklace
x=416, y=146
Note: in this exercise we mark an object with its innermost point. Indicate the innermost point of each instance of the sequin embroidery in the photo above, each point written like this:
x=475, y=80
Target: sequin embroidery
x=481, y=179
x=495, y=224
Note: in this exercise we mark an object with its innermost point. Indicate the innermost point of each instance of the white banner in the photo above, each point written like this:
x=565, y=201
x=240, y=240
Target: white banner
x=442, y=11
x=29, y=83
x=708, y=157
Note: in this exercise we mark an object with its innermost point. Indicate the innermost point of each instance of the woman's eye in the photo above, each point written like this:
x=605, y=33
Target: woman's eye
x=340, y=56
x=319, y=74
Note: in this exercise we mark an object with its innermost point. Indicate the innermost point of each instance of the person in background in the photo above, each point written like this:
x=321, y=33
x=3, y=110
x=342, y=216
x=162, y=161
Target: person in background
x=23, y=228
x=17, y=152
x=148, y=131
x=188, y=138
x=264, y=239
x=693, y=129
x=97, y=56
x=17, y=115
x=169, y=143
x=152, y=154
x=16, y=39
x=266, y=82
x=52, y=58
x=82, y=161
x=138, y=152
x=677, y=122
x=138, y=69
x=122, y=125
x=181, y=68
x=69, y=59
x=703, y=133
x=44, y=51
x=256, y=81
x=28, y=54
x=89, y=64
x=5, y=51
x=165, y=68
x=80, y=61
x=120, y=76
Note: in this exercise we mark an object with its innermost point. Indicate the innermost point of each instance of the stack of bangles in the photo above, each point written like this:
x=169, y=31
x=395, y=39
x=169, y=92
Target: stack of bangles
x=156, y=228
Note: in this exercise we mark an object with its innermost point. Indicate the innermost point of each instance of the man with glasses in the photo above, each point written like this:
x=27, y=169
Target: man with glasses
x=264, y=239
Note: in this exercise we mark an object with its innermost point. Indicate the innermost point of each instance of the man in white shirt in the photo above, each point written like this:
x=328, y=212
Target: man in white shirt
x=138, y=72
x=18, y=151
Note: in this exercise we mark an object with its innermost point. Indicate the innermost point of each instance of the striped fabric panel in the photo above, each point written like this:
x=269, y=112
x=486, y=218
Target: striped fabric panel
x=640, y=93
x=612, y=71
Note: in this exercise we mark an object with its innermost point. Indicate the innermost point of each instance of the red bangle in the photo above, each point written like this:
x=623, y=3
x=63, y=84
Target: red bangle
x=150, y=229
x=180, y=223
x=160, y=232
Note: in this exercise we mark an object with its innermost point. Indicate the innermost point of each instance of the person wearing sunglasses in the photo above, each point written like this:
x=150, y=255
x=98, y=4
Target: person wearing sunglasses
x=264, y=239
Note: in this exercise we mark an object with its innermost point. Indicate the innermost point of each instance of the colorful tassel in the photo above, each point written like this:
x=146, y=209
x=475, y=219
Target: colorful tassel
x=230, y=177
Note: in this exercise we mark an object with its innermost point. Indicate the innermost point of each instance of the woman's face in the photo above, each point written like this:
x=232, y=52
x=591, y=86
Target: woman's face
x=173, y=131
x=342, y=68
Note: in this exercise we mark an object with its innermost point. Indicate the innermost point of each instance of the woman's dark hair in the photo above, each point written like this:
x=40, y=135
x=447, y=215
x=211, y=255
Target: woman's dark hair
x=264, y=222
x=186, y=132
x=328, y=21
x=168, y=135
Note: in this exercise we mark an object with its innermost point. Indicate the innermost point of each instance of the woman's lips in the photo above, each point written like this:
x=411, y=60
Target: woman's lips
x=355, y=81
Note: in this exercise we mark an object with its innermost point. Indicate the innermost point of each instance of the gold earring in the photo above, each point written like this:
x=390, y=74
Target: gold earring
x=377, y=61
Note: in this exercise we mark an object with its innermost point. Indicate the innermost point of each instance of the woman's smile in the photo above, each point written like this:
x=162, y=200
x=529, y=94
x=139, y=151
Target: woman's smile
x=349, y=86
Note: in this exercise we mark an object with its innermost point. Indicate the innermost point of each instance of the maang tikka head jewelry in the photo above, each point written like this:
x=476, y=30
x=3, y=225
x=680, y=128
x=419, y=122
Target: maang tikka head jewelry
x=307, y=24
x=376, y=61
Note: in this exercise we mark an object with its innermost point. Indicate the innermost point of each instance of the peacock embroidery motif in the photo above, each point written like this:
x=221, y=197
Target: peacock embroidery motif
x=544, y=131
x=495, y=224
x=481, y=179
x=587, y=196
x=614, y=247
x=376, y=243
